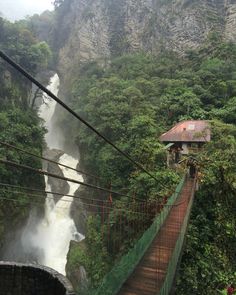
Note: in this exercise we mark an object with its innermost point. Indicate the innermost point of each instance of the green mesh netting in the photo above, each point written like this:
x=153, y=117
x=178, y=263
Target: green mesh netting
x=114, y=280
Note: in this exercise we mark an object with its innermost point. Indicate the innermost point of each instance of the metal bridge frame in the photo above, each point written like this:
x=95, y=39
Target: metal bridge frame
x=114, y=280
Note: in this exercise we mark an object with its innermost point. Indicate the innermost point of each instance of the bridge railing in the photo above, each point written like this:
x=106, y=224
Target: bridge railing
x=171, y=270
x=114, y=280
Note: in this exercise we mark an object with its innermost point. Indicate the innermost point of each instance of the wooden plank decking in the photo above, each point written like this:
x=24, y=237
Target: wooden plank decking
x=149, y=275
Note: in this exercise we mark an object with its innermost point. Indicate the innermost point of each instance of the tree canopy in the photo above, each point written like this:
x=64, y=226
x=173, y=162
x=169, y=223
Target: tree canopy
x=136, y=98
x=19, y=124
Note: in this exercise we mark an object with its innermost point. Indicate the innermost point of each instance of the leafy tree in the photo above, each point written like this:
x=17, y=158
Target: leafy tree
x=132, y=101
x=208, y=261
x=228, y=112
x=93, y=256
x=19, y=125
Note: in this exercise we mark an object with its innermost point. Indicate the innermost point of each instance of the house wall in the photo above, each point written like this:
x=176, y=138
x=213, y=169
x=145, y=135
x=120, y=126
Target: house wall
x=185, y=149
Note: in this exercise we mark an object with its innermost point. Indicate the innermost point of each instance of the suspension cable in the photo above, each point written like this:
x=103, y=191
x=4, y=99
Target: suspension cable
x=59, y=194
x=87, y=204
x=65, y=201
x=46, y=159
x=54, y=162
x=43, y=172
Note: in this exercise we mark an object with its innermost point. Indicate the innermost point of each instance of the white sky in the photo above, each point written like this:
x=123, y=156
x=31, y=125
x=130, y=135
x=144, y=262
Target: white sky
x=18, y=9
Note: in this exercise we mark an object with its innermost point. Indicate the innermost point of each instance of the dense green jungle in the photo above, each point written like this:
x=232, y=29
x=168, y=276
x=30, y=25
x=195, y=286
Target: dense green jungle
x=132, y=100
x=19, y=123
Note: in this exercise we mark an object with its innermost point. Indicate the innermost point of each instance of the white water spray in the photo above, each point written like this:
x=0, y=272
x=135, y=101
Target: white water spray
x=46, y=112
x=55, y=231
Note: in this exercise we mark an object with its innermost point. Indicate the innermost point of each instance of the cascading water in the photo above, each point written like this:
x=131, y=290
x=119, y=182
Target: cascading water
x=46, y=112
x=55, y=231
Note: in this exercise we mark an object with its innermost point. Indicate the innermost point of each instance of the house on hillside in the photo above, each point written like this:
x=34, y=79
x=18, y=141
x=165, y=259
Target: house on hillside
x=186, y=137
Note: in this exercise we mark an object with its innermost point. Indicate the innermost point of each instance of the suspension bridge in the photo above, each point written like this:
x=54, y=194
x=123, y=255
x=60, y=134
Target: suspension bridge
x=150, y=266
x=160, y=227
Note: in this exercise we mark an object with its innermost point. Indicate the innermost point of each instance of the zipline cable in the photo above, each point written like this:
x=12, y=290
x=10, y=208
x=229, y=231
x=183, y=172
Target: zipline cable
x=43, y=172
x=65, y=106
x=52, y=161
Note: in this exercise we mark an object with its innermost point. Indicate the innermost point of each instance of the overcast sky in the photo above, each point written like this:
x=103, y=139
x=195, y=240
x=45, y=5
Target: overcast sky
x=18, y=9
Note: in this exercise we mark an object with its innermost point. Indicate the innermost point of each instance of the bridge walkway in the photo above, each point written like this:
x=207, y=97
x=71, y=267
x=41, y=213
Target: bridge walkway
x=149, y=275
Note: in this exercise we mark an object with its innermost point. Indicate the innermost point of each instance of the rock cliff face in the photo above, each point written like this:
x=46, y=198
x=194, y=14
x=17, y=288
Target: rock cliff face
x=230, y=20
x=99, y=29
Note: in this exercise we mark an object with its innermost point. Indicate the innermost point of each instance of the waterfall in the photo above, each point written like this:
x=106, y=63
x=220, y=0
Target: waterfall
x=54, y=232
x=46, y=112
x=57, y=229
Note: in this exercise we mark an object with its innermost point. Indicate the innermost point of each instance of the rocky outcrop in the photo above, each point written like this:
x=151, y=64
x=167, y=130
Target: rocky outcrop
x=99, y=29
x=89, y=30
x=230, y=20
x=78, y=211
x=88, y=37
x=57, y=185
x=74, y=270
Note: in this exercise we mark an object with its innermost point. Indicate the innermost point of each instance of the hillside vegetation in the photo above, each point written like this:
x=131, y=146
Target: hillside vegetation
x=19, y=124
x=132, y=101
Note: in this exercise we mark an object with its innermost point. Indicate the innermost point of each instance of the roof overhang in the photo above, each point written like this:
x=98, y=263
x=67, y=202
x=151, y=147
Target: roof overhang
x=188, y=131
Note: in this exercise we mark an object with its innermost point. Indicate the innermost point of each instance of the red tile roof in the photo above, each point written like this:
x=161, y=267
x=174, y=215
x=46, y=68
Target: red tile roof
x=188, y=131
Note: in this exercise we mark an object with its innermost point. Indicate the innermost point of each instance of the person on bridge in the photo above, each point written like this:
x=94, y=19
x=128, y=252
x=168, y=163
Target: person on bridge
x=192, y=167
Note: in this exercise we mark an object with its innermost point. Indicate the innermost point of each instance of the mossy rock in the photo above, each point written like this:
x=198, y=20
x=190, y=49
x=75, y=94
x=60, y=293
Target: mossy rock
x=74, y=268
